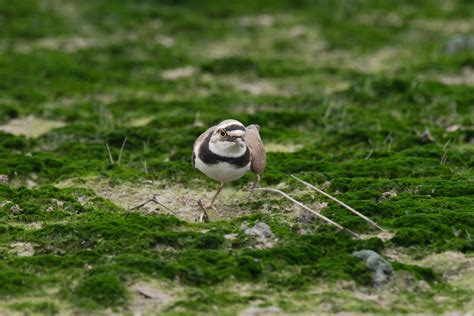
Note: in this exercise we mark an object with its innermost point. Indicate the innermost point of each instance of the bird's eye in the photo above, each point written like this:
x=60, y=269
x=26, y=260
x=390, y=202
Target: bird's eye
x=222, y=133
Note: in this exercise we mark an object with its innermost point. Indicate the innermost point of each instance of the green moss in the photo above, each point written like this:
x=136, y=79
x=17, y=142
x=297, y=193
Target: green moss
x=10, y=143
x=420, y=273
x=210, y=267
x=43, y=308
x=210, y=241
x=48, y=203
x=341, y=89
x=13, y=282
x=7, y=112
x=100, y=290
x=335, y=270
x=206, y=299
x=230, y=65
x=18, y=16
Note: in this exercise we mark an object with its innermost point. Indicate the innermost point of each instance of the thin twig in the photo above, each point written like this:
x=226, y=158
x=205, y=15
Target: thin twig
x=324, y=218
x=339, y=202
x=203, y=217
x=110, y=154
x=121, y=150
x=162, y=205
x=141, y=205
x=154, y=199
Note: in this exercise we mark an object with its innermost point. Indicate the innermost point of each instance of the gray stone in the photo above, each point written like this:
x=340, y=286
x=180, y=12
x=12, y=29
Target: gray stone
x=388, y=195
x=306, y=217
x=460, y=43
x=151, y=292
x=260, y=230
x=22, y=249
x=231, y=236
x=16, y=209
x=263, y=234
x=382, y=271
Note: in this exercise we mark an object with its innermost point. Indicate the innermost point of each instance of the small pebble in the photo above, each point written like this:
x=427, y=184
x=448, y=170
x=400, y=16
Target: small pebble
x=3, y=179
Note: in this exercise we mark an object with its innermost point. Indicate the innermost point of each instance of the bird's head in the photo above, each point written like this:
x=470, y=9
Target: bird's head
x=227, y=138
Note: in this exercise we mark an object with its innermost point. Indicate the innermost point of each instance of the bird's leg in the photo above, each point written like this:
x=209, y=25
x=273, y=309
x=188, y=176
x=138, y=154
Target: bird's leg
x=204, y=218
x=211, y=205
x=256, y=183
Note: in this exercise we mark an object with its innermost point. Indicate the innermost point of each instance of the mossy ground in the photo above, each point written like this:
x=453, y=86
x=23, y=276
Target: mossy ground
x=361, y=94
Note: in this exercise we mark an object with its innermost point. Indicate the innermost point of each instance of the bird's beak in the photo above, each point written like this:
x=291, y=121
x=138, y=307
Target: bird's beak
x=238, y=140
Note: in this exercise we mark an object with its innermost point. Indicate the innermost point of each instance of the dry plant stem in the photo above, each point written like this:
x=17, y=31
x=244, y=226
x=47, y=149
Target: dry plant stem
x=141, y=205
x=154, y=200
x=145, y=167
x=203, y=217
x=339, y=202
x=324, y=218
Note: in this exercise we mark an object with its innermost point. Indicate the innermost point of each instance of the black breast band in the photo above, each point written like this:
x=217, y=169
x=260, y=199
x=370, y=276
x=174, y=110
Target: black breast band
x=208, y=157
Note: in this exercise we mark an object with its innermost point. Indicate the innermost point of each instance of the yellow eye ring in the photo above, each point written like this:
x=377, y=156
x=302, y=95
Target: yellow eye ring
x=222, y=133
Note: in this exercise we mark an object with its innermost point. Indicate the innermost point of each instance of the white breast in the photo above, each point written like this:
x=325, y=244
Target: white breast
x=222, y=171
x=227, y=149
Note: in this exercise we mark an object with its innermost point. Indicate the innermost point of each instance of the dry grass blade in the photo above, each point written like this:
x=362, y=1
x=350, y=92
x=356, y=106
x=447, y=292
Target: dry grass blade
x=121, y=151
x=110, y=154
x=324, y=218
x=164, y=206
x=145, y=166
x=154, y=200
x=339, y=202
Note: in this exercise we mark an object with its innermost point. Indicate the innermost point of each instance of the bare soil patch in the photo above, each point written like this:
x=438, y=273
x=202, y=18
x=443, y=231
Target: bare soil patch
x=30, y=126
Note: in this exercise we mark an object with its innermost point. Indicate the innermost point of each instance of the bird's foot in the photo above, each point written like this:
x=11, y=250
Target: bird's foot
x=248, y=187
x=251, y=186
x=255, y=185
x=209, y=206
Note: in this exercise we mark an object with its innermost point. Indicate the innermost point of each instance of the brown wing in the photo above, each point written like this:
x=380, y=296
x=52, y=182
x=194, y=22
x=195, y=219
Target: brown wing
x=198, y=142
x=257, y=151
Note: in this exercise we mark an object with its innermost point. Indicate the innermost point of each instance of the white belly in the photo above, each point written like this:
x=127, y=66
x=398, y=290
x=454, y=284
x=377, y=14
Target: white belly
x=222, y=171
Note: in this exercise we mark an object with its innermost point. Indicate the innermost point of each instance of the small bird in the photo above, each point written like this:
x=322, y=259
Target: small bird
x=225, y=152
